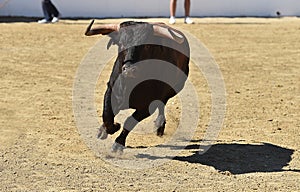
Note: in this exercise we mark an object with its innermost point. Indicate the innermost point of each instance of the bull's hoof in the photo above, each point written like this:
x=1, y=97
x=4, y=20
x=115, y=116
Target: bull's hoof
x=117, y=148
x=160, y=124
x=102, y=134
x=160, y=131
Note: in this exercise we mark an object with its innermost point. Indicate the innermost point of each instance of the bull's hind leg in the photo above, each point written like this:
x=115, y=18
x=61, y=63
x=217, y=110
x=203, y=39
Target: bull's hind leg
x=129, y=124
x=160, y=121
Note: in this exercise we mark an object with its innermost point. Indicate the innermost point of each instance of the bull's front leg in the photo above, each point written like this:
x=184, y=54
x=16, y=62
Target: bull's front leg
x=129, y=124
x=108, y=127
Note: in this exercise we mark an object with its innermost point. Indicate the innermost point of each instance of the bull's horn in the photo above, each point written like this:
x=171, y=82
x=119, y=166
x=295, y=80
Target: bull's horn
x=102, y=29
x=163, y=30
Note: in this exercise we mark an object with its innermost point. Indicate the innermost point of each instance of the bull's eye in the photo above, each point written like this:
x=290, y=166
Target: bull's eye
x=124, y=67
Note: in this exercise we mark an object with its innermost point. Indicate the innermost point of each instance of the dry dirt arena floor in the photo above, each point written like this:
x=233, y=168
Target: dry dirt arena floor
x=258, y=148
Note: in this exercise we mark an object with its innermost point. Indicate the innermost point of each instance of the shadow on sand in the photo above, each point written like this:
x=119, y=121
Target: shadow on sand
x=239, y=158
x=13, y=19
x=71, y=21
x=16, y=19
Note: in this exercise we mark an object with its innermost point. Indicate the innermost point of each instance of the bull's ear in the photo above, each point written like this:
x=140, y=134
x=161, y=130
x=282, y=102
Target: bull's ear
x=102, y=29
x=114, y=39
x=109, y=44
x=163, y=30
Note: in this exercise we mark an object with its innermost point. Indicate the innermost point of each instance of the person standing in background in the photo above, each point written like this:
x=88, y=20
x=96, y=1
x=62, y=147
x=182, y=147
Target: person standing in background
x=50, y=12
x=187, y=5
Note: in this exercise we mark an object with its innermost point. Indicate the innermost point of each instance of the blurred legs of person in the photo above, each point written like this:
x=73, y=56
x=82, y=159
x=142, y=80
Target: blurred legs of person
x=50, y=12
x=187, y=5
x=173, y=4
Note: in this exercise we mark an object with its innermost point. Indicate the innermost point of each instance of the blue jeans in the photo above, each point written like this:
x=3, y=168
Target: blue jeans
x=49, y=10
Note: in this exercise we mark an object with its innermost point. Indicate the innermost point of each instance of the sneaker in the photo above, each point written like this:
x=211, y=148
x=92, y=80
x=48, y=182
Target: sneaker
x=54, y=20
x=172, y=20
x=188, y=20
x=43, y=21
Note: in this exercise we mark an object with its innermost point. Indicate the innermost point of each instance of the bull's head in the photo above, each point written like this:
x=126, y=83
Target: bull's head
x=159, y=29
x=131, y=38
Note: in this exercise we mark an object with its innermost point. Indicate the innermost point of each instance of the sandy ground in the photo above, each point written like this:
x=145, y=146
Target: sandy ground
x=258, y=148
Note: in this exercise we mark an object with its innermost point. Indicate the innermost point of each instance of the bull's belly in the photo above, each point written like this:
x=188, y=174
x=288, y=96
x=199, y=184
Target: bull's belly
x=147, y=92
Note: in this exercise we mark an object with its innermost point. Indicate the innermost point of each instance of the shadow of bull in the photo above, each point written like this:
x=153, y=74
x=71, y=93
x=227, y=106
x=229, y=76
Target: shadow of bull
x=237, y=158
x=242, y=158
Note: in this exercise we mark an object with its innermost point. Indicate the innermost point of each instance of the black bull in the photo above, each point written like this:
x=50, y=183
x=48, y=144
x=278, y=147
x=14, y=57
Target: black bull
x=151, y=67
